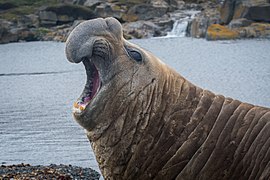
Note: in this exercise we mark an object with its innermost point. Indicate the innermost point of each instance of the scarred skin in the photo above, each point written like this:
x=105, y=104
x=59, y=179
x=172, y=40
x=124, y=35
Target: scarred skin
x=148, y=122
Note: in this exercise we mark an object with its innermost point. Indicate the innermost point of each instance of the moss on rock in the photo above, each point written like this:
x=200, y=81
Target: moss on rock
x=219, y=32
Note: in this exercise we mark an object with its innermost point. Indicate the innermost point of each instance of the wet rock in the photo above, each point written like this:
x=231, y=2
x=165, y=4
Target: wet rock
x=199, y=25
x=219, y=32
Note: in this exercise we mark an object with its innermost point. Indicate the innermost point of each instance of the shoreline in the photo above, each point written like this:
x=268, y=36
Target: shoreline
x=52, y=171
x=21, y=21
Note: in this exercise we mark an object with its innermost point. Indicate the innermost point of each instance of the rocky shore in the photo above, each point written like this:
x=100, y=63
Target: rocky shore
x=63, y=172
x=53, y=20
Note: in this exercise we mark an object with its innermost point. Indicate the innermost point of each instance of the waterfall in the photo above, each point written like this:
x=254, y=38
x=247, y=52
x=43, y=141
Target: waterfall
x=179, y=28
x=181, y=21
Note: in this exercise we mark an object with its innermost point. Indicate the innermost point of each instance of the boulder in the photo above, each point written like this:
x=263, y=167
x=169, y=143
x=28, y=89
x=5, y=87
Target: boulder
x=242, y=22
x=227, y=11
x=64, y=13
x=255, y=10
x=141, y=29
x=7, y=32
x=147, y=11
x=6, y=6
x=93, y=3
x=219, y=32
x=259, y=13
x=47, y=18
x=110, y=9
x=197, y=27
x=256, y=30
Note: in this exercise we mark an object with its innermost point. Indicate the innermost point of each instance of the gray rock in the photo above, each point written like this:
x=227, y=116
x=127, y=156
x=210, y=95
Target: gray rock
x=7, y=32
x=109, y=9
x=6, y=6
x=64, y=13
x=91, y=3
x=227, y=11
x=47, y=18
x=258, y=13
x=198, y=27
x=255, y=10
x=242, y=22
x=141, y=29
x=147, y=11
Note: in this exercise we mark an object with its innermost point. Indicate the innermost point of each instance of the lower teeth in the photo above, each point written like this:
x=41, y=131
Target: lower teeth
x=78, y=108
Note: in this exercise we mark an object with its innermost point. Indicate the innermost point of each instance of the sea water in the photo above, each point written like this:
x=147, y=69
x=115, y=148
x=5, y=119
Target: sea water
x=38, y=87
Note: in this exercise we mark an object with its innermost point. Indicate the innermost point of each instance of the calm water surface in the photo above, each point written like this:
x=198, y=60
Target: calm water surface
x=38, y=87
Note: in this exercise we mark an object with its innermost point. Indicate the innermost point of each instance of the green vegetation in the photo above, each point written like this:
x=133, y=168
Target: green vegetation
x=23, y=7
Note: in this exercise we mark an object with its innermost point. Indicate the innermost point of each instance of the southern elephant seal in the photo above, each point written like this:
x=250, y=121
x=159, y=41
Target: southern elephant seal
x=145, y=121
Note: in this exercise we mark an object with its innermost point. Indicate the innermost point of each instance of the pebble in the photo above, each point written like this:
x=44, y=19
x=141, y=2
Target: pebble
x=59, y=172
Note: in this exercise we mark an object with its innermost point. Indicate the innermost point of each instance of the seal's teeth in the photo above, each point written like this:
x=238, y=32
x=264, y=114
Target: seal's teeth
x=76, y=105
x=82, y=108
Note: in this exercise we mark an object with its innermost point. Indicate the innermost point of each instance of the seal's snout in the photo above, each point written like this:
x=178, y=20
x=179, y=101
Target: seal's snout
x=80, y=42
x=114, y=27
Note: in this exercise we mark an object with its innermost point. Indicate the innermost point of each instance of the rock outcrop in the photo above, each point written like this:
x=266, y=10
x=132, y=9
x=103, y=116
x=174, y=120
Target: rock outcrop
x=247, y=18
x=140, y=18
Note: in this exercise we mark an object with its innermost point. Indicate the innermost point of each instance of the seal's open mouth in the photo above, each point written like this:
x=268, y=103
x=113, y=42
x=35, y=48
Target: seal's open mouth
x=92, y=87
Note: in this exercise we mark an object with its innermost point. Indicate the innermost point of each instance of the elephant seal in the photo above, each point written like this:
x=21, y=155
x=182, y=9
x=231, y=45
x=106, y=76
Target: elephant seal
x=145, y=121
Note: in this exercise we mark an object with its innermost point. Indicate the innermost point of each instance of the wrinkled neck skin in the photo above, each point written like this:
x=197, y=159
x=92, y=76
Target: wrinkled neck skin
x=171, y=129
x=130, y=114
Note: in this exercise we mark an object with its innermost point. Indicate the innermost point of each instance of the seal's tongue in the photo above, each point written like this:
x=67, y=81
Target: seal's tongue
x=91, y=88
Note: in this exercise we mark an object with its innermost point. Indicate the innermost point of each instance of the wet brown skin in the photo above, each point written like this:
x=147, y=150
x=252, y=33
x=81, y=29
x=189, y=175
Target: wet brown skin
x=148, y=122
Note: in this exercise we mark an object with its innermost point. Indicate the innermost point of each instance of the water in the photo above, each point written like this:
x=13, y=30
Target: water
x=181, y=21
x=38, y=86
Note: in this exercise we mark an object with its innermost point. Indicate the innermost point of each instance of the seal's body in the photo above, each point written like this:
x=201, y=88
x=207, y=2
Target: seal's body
x=145, y=121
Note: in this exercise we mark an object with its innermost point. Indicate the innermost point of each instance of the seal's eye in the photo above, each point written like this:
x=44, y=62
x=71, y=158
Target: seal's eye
x=134, y=54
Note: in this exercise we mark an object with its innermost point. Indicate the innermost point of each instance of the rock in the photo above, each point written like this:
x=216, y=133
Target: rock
x=227, y=11
x=147, y=11
x=93, y=3
x=7, y=32
x=6, y=6
x=47, y=18
x=64, y=13
x=164, y=24
x=109, y=9
x=219, y=32
x=255, y=10
x=256, y=30
x=258, y=13
x=198, y=26
x=242, y=22
x=141, y=29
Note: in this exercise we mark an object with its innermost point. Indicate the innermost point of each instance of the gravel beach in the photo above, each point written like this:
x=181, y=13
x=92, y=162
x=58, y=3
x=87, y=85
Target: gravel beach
x=63, y=172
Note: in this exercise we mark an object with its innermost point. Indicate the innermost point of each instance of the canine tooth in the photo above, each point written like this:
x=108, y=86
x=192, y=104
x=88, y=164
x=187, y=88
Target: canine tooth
x=82, y=108
x=76, y=105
